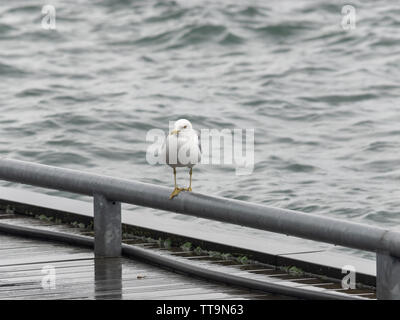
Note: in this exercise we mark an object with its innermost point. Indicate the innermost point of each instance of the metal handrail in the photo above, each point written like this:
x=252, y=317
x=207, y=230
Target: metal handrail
x=294, y=223
x=109, y=190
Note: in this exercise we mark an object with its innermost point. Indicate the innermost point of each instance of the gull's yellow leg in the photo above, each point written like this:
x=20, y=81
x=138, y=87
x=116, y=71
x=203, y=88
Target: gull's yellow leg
x=190, y=184
x=176, y=189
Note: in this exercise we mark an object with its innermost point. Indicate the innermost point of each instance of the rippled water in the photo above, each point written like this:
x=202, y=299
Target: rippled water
x=324, y=102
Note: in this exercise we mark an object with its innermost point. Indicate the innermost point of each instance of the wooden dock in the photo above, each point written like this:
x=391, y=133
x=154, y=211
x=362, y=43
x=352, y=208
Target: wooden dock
x=79, y=275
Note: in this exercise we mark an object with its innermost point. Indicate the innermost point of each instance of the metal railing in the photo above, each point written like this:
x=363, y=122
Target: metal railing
x=109, y=193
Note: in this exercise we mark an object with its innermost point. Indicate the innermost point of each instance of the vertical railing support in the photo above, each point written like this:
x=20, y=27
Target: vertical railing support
x=108, y=277
x=387, y=276
x=107, y=227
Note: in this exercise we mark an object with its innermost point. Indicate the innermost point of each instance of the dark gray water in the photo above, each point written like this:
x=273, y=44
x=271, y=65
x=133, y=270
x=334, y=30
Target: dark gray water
x=324, y=102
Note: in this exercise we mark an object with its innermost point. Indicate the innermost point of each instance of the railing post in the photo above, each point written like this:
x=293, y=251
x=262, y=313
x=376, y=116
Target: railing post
x=387, y=276
x=107, y=227
x=108, y=277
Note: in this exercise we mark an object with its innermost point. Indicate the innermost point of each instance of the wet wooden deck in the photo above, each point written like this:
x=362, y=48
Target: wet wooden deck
x=80, y=276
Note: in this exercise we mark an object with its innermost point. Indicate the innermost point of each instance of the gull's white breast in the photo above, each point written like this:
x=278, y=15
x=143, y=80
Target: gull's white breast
x=182, y=150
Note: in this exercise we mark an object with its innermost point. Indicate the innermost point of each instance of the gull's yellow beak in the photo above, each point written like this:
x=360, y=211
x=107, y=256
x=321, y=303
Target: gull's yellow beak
x=175, y=132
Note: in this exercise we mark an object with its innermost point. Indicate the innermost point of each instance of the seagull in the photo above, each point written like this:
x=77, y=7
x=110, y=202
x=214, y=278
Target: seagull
x=182, y=149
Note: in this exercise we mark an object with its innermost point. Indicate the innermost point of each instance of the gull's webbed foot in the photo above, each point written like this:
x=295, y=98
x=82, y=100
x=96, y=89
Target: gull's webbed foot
x=175, y=192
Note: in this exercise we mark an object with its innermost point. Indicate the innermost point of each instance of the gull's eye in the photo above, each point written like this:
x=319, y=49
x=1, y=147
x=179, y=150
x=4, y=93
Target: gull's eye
x=184, y=127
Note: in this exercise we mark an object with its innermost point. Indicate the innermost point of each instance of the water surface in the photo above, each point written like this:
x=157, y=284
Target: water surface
x=324, y=102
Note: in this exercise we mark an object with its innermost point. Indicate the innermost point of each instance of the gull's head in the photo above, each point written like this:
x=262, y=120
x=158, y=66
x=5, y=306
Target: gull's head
x=181, y=125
